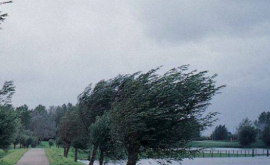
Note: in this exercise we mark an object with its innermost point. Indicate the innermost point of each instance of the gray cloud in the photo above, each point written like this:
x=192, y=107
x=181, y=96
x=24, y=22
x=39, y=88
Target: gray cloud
x=54, y=49
x=189, y=20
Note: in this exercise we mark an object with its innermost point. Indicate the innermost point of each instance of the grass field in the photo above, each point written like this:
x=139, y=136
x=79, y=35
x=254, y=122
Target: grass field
x=224, y=144
x=55, y=155
x=11, y=157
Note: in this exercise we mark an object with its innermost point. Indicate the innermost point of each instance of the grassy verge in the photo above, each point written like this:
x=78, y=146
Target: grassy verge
x=55, y=156
x=11, y=157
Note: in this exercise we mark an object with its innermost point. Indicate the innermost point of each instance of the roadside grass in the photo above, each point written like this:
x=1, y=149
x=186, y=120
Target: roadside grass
x=55, y=155
x=224, y=144
x=11, y=157
x=43, y=144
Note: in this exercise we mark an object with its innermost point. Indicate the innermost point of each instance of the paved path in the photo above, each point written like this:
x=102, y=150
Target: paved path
x=34, y=157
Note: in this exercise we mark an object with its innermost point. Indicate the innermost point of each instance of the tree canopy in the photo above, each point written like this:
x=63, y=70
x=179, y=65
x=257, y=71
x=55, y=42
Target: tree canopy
x=8, y=118
x=154, y=113
x=220, y=133
x=246, y=132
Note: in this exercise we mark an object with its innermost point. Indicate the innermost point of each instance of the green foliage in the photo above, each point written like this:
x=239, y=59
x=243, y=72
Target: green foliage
x=220, y=133
x=263, y=120
x=24, y=114
x=246, y=132
x=51, y=142
x=160, y=112
x=42, y=124
x=72, y=132
x=8, y=126
x=266, y=135
x=100, y=136
x=59, y=142
x=8, y=118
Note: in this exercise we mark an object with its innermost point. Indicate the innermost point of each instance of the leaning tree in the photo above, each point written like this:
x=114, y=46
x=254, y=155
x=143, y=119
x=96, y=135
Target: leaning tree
x=158, y=114
x=3, y=16
x=8, y=118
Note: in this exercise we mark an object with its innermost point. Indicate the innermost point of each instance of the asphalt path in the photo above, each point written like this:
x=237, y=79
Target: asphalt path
x=34, y=157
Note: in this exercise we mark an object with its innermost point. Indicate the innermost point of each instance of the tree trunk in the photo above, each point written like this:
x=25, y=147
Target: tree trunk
x=89, y=155
x=14, y=146
x=92, y=160
x=20, y=145
x=133, y=152
x=101, y=157
x=66, y=149
x=75, y=154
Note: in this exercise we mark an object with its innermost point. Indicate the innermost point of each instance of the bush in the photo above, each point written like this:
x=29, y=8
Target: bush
x=51, y=142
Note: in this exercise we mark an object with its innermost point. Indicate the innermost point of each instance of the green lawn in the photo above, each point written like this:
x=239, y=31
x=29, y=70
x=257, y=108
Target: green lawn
x=11, y=157
x=224, y=144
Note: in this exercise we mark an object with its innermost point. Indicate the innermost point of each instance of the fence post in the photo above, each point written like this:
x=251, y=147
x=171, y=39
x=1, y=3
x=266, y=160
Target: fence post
x=252, y=152
x=229, y=154
x=220, y=153
x=236, y=153
x=245, y=153
x=267, y=152
x=212, y=154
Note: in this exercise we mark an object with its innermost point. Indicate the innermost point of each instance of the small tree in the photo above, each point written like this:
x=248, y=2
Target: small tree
x=246, y=132
x=59, y=142
x=51, y=142
x=71, y=131
x=220, y=133
x=8, y=118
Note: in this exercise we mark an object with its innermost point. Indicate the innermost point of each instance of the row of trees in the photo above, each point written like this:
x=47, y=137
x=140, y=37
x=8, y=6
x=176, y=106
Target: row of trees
x=26, y=126
x=140, y=114
x=248, y=132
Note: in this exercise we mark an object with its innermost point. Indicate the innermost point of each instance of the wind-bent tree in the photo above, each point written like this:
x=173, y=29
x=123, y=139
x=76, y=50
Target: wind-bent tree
x=220, y=133
x=101, y=138
x=94, y=102
x=155, y=113
x=246, y=132
x=8, y=118
x=72, y=133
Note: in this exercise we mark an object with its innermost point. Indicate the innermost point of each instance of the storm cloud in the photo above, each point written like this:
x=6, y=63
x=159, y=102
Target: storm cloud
x=54, y=49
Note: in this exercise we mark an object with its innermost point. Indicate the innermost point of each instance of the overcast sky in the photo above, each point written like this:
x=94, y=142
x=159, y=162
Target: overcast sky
x=54, y=49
